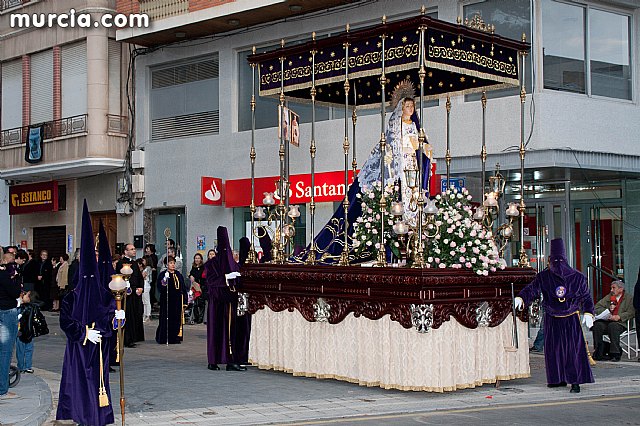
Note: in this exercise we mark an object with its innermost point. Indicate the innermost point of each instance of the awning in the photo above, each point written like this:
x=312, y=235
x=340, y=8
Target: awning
x=458, y=59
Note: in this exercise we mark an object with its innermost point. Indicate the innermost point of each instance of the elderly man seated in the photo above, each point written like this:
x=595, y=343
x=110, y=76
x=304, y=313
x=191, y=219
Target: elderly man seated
x=614, y=322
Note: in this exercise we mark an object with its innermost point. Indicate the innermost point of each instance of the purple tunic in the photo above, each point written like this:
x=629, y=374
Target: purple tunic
x=565, y=348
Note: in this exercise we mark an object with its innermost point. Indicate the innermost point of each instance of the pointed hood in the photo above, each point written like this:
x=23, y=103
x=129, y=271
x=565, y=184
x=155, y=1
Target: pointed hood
x=225, y=253
x=245, y=246
x=105, y=267
x=558, y=263
x=92, y=300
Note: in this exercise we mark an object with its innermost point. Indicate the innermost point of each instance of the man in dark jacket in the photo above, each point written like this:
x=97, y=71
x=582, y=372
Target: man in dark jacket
x=9, y=293
x=134, y=327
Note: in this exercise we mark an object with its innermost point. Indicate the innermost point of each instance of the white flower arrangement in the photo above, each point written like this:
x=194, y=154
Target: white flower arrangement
x=367, y=227
x=467, y=244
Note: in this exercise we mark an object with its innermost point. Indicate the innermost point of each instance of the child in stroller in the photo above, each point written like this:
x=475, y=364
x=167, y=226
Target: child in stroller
x=194, y=314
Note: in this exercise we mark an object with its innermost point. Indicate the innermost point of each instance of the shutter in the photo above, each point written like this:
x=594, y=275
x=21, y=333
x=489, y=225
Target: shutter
x=11, y=95
x=42, y=87
x=184, y=100
x=74, y=79
x=114, y=77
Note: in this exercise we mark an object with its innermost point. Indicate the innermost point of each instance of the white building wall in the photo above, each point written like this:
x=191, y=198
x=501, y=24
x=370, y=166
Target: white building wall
x=174, y=167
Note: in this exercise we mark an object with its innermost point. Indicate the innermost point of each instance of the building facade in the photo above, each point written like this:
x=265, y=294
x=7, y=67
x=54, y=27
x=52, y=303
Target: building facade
x=63, y=95
x=193, y=118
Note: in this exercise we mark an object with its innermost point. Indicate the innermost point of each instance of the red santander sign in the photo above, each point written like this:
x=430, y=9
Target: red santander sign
x=211, y=191
x=32, y=198
x=329, y=186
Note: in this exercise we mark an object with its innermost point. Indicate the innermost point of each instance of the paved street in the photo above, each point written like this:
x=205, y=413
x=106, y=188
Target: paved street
x=171, y=385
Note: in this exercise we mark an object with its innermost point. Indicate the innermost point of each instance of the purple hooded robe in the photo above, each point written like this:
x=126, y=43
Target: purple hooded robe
x=90, y=303
x=565, y=293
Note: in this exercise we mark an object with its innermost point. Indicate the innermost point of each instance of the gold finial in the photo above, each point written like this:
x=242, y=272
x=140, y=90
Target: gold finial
x=524, y=38
x=423, y=10
x=253, y=50
x=313, y=36
x=348, y=27
x=459, y=20
x=282, y=42
x=384, y=19
x=477, y=23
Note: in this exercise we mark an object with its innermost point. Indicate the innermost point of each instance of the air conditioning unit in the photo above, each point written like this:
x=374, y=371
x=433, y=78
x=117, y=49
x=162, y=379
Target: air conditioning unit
x=137, y=159
x=123, y=208
x=137, y=184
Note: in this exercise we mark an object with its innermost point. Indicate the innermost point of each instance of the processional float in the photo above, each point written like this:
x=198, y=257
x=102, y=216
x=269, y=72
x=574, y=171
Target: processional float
x=360, y=69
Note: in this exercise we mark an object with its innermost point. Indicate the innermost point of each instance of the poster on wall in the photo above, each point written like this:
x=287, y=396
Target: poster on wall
x=289, y=125
x=34, y=146
x=201, y=242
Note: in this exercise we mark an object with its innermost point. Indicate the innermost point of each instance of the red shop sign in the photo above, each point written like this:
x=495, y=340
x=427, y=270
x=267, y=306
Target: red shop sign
x=329, y=186
x=211, y=191
x=32, y=198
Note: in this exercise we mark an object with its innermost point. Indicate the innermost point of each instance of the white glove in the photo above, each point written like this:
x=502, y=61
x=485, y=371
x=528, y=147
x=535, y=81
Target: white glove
x=94, y=336
x=587, y=320
x=119, y=314
x=518, y=303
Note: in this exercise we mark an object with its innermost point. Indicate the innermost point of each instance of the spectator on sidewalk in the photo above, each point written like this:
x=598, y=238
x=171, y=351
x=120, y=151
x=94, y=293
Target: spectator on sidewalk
x=45, y=277
x=636, y=306
x=9, y=294
x=620, y=306
x=31, y=324
x=147, y=275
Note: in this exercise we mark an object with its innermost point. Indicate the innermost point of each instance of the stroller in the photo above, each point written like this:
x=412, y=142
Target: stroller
x=194, y=313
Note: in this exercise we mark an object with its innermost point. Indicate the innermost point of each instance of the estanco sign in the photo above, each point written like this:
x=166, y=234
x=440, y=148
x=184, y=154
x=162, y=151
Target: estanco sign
x=329, y=186
x=37, y=197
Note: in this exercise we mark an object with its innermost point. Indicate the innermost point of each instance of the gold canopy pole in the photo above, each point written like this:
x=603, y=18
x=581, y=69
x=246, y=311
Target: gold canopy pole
x=344, y=257
x=448, y=155
x=311, y=258
x=524, y=261
x=483, y=152
x=418, y=261
x=281, y=185
x=381, y=260
x=252, y=155
x=354, y=118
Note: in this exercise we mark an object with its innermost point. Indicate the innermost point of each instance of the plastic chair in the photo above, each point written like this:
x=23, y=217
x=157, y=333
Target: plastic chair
x=628, y=340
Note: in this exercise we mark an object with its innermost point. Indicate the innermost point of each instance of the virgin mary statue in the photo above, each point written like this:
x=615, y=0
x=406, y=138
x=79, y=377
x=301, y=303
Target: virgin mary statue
x=400, y=157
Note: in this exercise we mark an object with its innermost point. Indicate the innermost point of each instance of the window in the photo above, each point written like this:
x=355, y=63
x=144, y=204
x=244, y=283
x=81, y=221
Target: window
x=114, y=77
x=11, y=95
x=42, y=87
x=512, y=18
x=73, y=58
x=603, y=68
x=185, y=99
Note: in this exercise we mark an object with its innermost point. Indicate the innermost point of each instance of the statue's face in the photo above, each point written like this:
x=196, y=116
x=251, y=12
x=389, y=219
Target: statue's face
x=408, y=108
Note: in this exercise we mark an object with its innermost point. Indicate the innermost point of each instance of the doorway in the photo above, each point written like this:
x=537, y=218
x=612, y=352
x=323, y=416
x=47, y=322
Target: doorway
x=171, y=222
x=599, y=245
x=50, y=238
x=110, y=222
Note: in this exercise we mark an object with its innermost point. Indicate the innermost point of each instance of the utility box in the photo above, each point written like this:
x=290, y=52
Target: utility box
x=137, y=184
x=137, y=159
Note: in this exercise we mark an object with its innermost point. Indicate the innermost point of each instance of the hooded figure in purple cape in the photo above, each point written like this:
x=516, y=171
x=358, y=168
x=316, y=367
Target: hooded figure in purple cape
x=86, y=315
x=223, y=342
x=564, y=294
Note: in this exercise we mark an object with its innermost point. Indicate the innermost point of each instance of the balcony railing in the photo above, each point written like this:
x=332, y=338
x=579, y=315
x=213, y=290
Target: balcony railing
x=8, y=4
x=160, y=9
x=52, y=129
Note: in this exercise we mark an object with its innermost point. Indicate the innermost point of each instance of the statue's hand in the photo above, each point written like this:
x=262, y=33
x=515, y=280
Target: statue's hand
x=388, y=158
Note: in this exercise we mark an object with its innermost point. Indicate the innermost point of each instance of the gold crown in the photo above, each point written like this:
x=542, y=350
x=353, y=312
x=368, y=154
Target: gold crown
x=404, y=89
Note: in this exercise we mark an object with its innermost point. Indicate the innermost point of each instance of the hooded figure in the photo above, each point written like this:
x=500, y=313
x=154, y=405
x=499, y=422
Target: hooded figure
x=105, y=270
x=223, y=285
x=86, y=315
x=564, y=294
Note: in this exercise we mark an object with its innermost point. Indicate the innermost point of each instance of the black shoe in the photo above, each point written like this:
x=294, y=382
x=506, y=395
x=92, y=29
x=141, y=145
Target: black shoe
x=575, y=389
x=615, y=358
x=601, y=357
x=133, y=345
x=235, y=367
x=557, y=385
x=213, y=367
x=112, y=370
